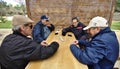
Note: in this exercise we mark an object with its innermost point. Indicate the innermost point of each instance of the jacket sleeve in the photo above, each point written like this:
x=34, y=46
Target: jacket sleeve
x=91, y=54
x=37, y=34
x=49, y=51
x=83, y=42
x=65, y=30
x=35, y=51
x=51, y=28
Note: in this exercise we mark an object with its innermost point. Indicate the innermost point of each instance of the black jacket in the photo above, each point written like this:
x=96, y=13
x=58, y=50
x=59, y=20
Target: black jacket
x=17, y=50
x=77, y=31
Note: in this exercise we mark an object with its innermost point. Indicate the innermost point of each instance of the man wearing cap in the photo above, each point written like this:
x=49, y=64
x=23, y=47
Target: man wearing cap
x=101, y=52
x=17, y=49
x=42, y=30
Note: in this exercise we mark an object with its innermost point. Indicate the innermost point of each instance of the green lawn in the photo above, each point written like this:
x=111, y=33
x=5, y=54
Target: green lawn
x=7, y=24
x=115, y=25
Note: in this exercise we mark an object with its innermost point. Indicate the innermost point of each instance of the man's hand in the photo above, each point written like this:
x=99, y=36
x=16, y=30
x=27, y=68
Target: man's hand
x=48, y=24
x=44, y=43
x=75, y=42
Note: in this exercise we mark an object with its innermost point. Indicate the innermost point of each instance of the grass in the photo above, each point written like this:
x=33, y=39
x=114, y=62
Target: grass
x=7, y=24
x=115, y=25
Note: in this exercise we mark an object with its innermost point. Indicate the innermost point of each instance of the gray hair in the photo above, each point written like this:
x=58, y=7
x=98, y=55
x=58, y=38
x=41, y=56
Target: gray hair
x=101, y=28
x=16, y=28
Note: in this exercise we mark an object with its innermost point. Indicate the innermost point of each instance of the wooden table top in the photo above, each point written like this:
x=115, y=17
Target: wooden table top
x=62, y=59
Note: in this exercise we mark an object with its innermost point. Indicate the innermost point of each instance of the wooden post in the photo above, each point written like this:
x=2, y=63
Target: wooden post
x=113, y=2
x=28, y=9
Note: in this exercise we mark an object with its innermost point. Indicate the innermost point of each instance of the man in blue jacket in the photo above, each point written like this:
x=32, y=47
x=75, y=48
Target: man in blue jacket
x=102, y=51
x=42, y=30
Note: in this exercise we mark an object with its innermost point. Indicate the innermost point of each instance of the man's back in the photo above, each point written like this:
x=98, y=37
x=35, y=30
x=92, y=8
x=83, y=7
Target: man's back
x=17, y=50
x=101, y=52
x=12, y=52
x=112, y=49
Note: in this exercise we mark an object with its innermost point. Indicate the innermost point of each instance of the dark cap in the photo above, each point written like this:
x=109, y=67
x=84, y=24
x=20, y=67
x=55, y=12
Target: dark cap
x=44, y=17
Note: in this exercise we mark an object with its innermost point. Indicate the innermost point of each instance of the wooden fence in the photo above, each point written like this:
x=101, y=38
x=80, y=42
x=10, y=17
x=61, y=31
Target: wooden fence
x=60, y=12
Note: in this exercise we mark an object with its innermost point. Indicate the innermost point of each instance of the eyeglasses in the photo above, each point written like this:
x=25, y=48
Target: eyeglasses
x=31, y=26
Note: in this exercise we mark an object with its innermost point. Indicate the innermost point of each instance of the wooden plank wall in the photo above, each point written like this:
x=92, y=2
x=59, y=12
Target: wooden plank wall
x=61, y=11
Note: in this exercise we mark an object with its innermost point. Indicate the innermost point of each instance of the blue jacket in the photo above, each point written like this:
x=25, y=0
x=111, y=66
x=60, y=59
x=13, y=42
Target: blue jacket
x=38, y=32
x=100, y=53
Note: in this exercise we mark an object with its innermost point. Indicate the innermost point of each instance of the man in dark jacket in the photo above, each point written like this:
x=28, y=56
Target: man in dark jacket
x=17, y=49
x=102, y=50
x=42, y=30
x=76, y=28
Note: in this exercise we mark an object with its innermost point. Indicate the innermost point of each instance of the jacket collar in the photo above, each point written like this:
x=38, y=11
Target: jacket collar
x=107, y=29
x=18, y=33
x=40, y=22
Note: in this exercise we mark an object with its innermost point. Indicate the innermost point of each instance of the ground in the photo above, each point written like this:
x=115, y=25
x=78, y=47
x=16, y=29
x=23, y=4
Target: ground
x=3, y=33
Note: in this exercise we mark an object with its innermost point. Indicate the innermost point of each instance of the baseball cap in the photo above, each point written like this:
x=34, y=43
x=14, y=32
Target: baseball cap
x=44, y=17
x=97, y=22
x=20, y=20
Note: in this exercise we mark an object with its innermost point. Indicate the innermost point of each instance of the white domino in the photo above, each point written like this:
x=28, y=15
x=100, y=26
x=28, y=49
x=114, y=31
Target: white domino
x=61, y=38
